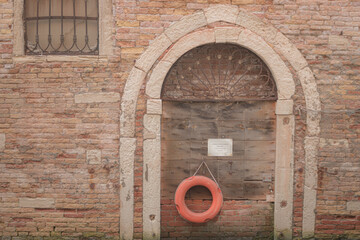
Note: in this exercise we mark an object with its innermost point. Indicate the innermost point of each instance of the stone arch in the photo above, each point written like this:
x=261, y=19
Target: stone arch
x=249, y=32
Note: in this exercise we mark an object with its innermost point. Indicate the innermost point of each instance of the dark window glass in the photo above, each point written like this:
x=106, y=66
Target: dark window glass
x=61, y=27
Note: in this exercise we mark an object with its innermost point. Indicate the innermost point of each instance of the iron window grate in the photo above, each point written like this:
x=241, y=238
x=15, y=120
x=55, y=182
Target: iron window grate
x=65, y=44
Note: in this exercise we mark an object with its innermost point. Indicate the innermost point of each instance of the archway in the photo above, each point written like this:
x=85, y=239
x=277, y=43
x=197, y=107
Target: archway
x=218, y=103
x=248, y=32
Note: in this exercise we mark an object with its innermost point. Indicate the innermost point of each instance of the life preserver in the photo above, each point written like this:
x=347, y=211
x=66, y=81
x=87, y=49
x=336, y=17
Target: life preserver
x=189, y=215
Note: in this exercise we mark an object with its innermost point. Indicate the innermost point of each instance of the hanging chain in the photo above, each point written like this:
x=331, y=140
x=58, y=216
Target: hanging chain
x=203, y=162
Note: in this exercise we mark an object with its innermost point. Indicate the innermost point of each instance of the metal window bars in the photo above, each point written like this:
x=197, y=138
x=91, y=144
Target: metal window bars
x=219, y=72
x=36, y=48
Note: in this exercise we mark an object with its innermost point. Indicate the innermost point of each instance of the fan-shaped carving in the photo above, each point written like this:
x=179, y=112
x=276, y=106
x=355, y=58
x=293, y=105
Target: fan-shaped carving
x=219, y=72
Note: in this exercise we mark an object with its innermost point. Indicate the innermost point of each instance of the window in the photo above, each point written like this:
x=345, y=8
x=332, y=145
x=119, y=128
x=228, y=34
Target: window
x=61, y=27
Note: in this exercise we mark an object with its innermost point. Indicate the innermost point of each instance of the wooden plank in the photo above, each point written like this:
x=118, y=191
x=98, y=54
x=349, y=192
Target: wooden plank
x=231, y=111
x=262, y=110
x=176, y=129
x=238, y=149
x=176, y=110
x=204, y=111
x=257, y=190
x=260, y=150
x=232, y=190
x=257, y=170
x=260, y=130
x=233, y=129
x=231, y=171
x=175, y=150
x=179, y=173
x=168, y=188
x=240, y=170
x=176, y=170
x=176, y=163
x=198, y=149
x=204, y=130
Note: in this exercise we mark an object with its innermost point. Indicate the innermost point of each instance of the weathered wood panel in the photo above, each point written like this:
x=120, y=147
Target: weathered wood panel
x=186, y=127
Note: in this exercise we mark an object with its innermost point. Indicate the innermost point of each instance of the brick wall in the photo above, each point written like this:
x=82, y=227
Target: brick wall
x=45, y=132
x=61, y=146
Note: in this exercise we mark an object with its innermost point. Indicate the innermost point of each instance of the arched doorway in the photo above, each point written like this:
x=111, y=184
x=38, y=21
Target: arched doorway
x=283, y=191
x=153, y=65
x=219, y=108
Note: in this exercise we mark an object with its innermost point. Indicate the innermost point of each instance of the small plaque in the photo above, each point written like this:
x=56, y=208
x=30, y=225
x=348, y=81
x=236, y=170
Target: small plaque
x=220, y=147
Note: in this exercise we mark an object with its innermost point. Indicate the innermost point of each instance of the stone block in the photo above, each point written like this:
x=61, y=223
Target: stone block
x=225, y=13
x=189, y=42
x=128, y=102
x=289, y=51
x=185, y=25
x=97, y=97
x=152, y=126
x=243, y=2
x=353, y=206
x=334, y=143
x=154, y=51
x=36, y=202
x=127, y=155
x=311, y=178
x=256, y=25
x=151, y=188
x=284, y=107
x=154, y=85
x=2, y=141
x=154, y=106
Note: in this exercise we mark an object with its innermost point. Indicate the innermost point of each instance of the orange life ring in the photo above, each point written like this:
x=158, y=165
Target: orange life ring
x=189, y=215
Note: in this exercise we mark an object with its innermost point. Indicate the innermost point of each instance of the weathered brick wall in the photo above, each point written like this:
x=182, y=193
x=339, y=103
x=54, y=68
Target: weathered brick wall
x=45, y=133
x=59, y=165
x=61, y=122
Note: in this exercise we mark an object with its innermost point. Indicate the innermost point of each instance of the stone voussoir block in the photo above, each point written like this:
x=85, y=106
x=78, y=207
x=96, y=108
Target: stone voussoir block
x=153, y=52
x=255, y=24
x=225, y=13
x=154, y=85
x=186, y=25
x=189, y=42
x=289, y=51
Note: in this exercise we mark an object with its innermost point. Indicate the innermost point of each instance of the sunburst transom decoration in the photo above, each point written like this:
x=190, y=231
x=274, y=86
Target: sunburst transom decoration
x=219, y=72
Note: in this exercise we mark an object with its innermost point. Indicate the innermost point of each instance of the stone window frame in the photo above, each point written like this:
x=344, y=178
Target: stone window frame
x=105, y=32
x=151, y=68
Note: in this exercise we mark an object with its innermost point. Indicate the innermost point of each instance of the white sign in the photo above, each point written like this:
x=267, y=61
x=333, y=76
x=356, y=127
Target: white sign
x=220, y=147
